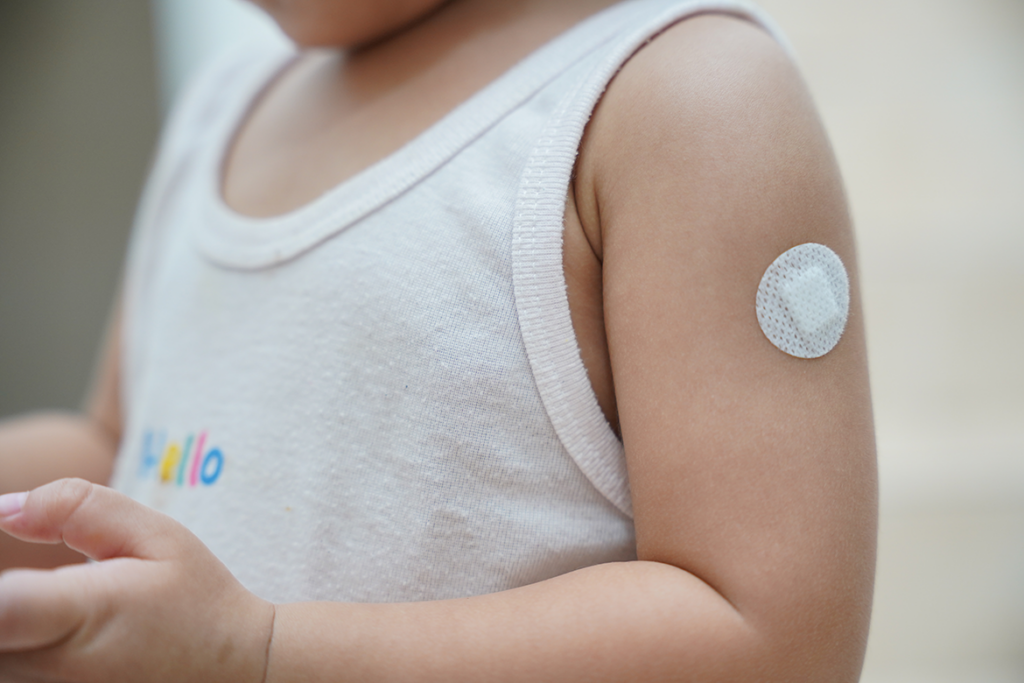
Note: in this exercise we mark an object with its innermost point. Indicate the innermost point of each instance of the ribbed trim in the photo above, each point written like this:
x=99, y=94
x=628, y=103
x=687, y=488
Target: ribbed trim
x=538, y=275
x=236, y=241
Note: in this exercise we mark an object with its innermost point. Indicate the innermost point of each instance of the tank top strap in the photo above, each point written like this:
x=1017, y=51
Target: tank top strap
x=538, y=275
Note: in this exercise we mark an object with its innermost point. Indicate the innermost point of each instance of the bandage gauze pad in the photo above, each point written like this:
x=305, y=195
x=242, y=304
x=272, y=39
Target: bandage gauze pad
x=803, y=301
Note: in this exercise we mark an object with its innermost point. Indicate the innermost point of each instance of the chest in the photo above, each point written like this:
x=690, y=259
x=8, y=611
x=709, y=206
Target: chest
x=372, y=392
x=323, y=124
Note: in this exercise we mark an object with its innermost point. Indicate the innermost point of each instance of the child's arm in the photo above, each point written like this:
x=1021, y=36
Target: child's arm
x=752, y=472
x=42, y=447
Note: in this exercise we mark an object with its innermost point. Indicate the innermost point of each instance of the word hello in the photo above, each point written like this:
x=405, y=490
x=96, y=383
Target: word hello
x=181, y=465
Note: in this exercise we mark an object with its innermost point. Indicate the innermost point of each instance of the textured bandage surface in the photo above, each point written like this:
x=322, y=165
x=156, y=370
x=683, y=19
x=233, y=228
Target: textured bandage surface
x=803, y=301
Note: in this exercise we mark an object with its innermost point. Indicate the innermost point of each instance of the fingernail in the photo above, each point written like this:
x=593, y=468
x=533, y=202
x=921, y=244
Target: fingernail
x=11, y=503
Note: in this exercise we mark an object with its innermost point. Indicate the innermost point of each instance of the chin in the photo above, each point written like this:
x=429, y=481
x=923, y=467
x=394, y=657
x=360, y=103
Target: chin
x=344, y=23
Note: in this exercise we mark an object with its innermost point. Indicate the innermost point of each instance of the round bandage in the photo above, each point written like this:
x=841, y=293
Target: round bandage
x=803, y=301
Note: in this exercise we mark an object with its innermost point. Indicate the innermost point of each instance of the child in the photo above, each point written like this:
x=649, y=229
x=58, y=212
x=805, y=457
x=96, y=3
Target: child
x=401, y=314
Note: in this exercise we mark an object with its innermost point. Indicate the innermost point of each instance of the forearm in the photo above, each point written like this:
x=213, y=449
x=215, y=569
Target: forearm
x=638, y=621
x=39, y=448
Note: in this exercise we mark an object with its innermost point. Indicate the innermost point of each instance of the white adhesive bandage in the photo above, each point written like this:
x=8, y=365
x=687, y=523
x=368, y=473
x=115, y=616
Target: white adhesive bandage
x=803, y=301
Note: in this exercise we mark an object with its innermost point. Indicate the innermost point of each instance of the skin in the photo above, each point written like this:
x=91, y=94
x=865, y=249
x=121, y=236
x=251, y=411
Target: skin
x=752, y=473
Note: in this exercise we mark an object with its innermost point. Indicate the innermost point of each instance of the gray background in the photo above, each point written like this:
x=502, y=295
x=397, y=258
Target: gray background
x=78, y=118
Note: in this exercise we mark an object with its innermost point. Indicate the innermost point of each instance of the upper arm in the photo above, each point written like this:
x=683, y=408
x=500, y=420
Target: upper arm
x=750, y=469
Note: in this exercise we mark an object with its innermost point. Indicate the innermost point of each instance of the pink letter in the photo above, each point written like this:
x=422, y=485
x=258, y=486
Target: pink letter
x=193, y=477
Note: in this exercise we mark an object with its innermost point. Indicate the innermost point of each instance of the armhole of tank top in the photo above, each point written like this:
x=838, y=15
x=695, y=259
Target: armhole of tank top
x=538, y=276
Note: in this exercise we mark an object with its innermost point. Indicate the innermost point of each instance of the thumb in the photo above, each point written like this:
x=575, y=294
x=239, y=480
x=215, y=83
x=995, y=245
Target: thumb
x=94, y=520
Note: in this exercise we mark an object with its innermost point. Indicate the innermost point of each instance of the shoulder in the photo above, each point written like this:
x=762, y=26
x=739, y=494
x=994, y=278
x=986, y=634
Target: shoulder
x=709, y=74
x=711, y=115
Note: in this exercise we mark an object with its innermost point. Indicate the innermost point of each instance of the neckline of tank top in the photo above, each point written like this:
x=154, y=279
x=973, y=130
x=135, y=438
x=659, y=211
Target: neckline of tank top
x=234, y=240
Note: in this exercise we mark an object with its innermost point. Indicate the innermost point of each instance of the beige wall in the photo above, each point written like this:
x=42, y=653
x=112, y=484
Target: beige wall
x=78, y=117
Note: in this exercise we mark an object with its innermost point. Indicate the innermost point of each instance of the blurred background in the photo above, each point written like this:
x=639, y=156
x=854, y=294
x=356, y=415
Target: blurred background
x=924, y=100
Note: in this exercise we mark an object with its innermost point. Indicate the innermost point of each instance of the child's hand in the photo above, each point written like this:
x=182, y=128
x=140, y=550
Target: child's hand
x=158, y=606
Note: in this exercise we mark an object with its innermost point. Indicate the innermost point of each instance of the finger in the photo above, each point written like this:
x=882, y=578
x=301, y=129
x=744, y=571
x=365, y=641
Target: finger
x=94, y=520
x=40, y=608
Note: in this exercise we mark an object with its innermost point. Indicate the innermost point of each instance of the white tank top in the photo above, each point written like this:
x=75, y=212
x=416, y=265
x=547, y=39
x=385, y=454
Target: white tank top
x=379, y=396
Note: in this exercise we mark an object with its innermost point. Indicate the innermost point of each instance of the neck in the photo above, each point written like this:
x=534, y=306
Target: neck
x=454, y=36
